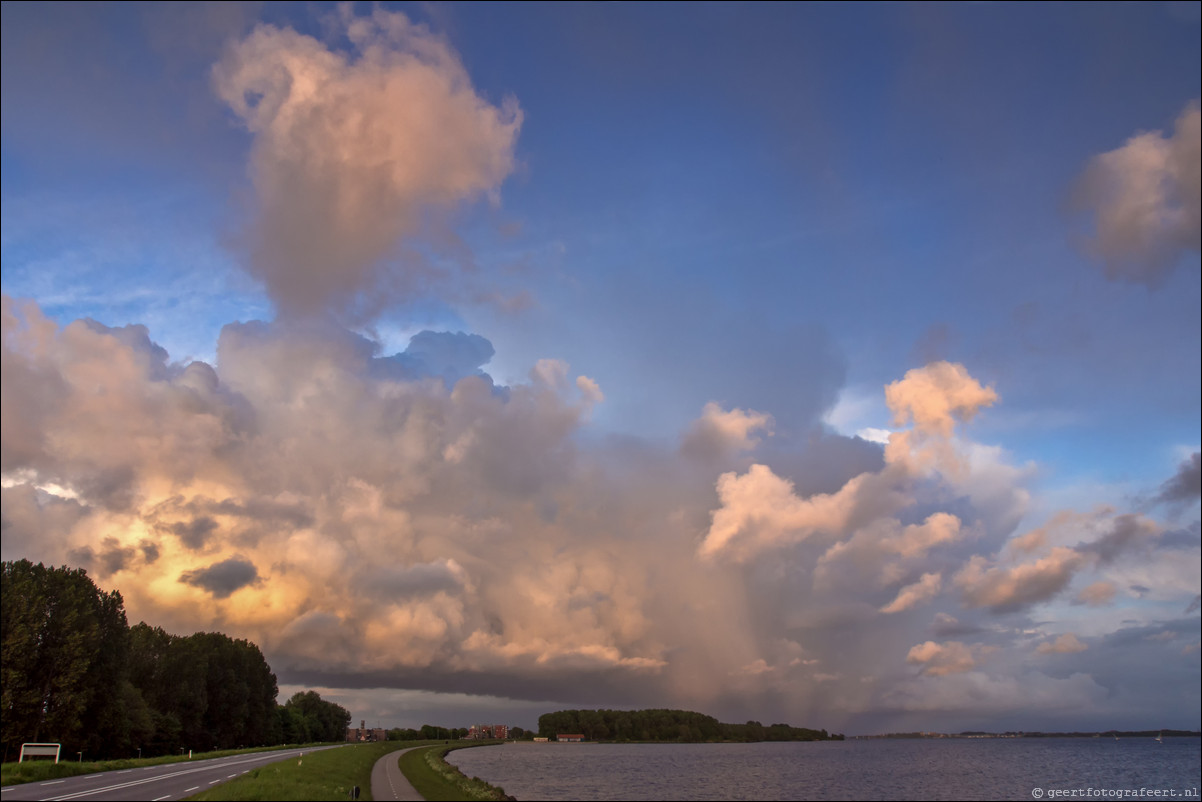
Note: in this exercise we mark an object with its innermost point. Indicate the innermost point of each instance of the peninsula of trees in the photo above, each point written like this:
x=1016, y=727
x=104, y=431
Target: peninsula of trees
x=676, y=726
x=74, y=672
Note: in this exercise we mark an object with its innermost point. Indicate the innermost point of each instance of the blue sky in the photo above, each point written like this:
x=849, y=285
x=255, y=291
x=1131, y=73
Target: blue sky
x=776, y=210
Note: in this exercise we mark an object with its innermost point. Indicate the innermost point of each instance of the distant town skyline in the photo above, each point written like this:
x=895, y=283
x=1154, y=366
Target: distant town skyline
x=830, y=365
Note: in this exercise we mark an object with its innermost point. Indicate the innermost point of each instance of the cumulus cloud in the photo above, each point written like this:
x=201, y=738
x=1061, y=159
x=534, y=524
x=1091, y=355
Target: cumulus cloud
x=1144, y=200
x=391, y=582
x=1018, y=579
x=935, y=397
x=720, y=433
x=760, y=509
x=1004, y=588
x=1125, y=532
x=951, y=657
x=351, y=150
x=1097, y=594
x=1068, y=643
x=910, y=596
x=376, y=520
x=407, y=518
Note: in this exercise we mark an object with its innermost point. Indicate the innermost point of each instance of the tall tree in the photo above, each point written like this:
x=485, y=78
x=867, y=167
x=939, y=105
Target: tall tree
x=60, y=636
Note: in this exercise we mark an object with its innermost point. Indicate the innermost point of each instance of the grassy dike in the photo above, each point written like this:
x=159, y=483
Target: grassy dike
x=40, y=770
x=437, y=780
x=330, y=775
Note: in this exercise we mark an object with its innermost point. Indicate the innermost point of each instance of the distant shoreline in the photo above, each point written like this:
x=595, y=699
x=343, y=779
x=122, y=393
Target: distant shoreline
x=1120, y=734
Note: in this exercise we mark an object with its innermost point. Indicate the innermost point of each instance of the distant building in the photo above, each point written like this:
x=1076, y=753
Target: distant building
x=363, y=734
x=480, y=732
x=569, y=738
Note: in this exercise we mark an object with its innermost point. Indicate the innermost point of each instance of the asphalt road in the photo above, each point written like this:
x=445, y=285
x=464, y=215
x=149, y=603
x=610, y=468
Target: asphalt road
x=387, y=782
x=152, y=783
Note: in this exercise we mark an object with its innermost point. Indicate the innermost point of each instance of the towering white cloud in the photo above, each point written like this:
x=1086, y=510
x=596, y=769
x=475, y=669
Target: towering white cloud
x=760, y=509
x=403, y=521
x=351, y=150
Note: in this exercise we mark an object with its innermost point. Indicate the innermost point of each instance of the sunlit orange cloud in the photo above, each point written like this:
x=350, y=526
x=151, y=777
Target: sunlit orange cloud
x=1146, y=201
x=356, y=521
x=352, y=150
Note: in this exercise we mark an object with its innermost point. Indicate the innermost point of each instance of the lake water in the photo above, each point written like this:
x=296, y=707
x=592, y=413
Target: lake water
x=1020, y=768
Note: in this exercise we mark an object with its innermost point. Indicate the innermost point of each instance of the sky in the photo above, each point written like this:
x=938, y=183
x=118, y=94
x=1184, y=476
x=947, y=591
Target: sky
x=829, y=364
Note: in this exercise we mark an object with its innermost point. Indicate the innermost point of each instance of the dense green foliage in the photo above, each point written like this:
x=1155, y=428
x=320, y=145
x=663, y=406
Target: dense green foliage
x=682, y=726
x=74, y=672
x=201, y=692
x=428, y=732
x=307, y=718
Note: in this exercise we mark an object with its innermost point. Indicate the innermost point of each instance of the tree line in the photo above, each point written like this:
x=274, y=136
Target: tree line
x=427, y=732
x=74, y=672
x=680, y=726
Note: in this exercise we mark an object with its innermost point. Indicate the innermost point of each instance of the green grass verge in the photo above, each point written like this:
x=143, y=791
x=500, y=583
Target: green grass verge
x=38, y=770
x=437, y=780
x=326, y=775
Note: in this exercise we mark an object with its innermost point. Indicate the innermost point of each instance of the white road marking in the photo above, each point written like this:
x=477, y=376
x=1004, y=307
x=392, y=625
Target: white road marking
x=53, y=782
x=190, y=790
x=161, y=798
x=255, y=759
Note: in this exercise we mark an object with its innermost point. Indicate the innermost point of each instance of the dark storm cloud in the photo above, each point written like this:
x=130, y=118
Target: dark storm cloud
x=194, y=533
x=1125, y=532
x=1186, y=485
x=223, y=578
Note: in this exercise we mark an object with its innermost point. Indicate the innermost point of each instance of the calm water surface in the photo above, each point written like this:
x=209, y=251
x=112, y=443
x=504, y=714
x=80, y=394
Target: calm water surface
x=876, y=769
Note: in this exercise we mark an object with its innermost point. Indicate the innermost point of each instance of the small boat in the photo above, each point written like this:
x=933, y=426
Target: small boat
x=1159, y=737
